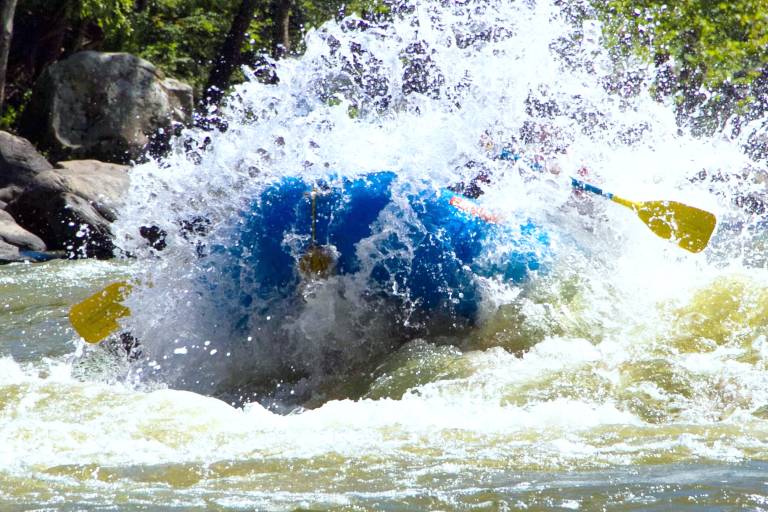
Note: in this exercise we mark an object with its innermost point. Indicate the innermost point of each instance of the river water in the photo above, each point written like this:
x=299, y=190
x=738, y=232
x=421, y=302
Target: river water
x=628, y=375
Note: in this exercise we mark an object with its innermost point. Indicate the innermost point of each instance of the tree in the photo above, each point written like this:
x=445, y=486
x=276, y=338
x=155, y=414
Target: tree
x=280, y=13
x=7, y=11
x=718, y=46
x=229, y=55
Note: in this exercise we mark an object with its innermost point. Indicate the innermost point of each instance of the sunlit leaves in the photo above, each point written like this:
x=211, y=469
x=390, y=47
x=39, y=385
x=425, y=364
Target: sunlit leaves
x=110, y=15
x=721, y=46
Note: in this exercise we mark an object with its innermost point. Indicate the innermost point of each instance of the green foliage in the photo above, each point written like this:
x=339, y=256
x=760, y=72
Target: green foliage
x=11, y=113
x=110, y=15
x=722, y=41
x=181, y=37
x=718, y=45
x=315, y=12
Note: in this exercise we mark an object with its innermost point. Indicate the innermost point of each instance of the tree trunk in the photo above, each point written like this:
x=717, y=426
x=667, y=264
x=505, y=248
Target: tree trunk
x=281, y=23
x=229, y=54
x=7, y=10
x=77, y=38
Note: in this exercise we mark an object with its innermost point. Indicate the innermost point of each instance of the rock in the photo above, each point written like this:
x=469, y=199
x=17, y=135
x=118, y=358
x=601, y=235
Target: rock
x=9, y=193
x=102, y=184
x=12, y=233
x=71, y=207
x=9, y=252
x=106, y=106
x=19, y=163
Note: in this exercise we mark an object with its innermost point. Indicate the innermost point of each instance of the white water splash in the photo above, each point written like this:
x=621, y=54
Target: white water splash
x=440, y=85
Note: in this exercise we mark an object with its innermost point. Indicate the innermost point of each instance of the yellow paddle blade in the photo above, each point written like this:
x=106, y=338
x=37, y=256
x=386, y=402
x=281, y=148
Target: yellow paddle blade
x=691, y=228
x=317, y=262
x=96, y=317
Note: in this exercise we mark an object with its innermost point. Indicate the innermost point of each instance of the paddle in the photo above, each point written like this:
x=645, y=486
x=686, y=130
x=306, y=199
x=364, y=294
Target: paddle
x=689, y=227
x=96, y=317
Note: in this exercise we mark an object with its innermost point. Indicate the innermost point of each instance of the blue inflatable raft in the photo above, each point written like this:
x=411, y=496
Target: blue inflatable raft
x=423, y=247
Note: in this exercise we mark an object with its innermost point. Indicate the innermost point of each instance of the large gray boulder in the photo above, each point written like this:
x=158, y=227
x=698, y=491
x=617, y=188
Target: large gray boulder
x=106, y=106
x=71, y=207
x=19, y=164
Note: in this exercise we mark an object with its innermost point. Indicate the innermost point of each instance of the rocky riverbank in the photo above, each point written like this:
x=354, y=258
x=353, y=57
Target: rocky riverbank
x=62, y=178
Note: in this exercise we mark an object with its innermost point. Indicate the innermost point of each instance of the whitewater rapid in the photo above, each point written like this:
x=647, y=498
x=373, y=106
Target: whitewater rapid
x=630, y=372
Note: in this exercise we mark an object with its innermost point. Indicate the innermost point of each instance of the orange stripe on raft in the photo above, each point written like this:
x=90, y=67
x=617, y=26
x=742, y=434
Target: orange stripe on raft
x=472, y=209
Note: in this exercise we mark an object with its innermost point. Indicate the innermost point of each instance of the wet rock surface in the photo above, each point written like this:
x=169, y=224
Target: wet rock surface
x=71, y=207
x=107, y=106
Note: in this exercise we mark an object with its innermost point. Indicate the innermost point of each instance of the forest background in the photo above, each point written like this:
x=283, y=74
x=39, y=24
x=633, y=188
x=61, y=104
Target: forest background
x=710, y=58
